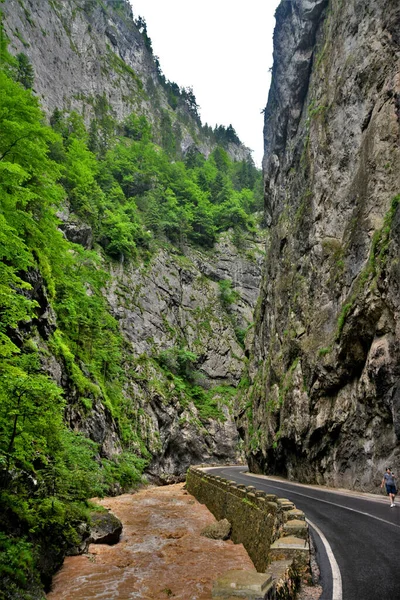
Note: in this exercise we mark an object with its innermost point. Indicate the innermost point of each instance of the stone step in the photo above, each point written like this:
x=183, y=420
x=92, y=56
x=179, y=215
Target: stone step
x=291, y=548
x=296, y=528
x=285, y=504
x=243, y=584
x=295, y=513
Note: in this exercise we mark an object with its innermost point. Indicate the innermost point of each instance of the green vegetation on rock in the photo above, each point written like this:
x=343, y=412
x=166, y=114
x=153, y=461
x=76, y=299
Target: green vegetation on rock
x=114, y=179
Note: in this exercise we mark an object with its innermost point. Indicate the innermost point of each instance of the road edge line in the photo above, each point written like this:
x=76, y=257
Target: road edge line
x=337, y=591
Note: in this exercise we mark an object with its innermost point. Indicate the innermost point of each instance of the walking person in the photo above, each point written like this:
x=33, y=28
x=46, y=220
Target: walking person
x=389, y=480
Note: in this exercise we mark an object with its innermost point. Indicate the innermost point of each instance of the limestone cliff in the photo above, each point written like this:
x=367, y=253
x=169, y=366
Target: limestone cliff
x=176, y=302
x=324, y=400
x=88, y=54
x=172, y=303
x=91, y=57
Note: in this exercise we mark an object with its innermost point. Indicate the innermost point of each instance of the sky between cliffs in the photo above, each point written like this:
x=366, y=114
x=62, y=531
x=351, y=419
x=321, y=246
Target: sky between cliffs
x=223, y=49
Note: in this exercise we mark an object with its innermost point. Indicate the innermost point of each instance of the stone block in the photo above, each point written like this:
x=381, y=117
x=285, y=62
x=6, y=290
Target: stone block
x=242, y=584
x=291, y=548
x=271, y=497
x=279, y=570
x=295, y=513
x=285, y=504
x=286, y=580
x=297, y=528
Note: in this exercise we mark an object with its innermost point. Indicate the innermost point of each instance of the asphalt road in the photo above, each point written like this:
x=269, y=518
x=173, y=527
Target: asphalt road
x=362, y=533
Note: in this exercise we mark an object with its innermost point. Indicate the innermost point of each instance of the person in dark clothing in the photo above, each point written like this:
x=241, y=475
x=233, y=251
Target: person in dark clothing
x=389, y=480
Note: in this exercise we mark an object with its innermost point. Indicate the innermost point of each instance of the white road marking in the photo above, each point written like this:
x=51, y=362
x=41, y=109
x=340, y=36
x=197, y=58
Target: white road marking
x=321, y=488
x=360, y=512
x=337, y=593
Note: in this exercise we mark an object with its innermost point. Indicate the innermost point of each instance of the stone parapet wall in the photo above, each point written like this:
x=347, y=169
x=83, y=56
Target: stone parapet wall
x=258, y=519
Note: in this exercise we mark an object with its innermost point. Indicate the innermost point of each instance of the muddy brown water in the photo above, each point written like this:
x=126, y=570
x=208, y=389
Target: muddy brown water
x=161, y=554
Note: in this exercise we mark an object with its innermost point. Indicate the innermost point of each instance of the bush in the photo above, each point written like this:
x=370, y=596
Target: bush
x=178, y=361
x=16, y=561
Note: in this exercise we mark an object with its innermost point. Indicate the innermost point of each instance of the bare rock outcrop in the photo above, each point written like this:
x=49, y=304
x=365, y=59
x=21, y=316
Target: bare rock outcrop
x=105, y=528
x=91, y=57
x=175, y=303
x=324, y=399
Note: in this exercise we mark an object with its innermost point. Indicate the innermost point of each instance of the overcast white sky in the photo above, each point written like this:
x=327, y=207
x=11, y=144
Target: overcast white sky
x=223, y=49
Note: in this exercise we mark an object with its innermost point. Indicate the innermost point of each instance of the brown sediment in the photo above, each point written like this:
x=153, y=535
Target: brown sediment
x=161, y=553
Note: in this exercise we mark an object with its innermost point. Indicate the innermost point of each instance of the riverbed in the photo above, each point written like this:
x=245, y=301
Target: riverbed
x=161, y=553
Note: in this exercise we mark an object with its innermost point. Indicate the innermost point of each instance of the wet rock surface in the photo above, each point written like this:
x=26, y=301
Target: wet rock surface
x=105, y=528
x=161, y=553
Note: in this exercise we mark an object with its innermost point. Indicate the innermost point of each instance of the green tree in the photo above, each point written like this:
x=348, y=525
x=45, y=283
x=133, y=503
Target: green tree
x=25, y=72
x=81, y=169
x=137, y=128
x=30, y=414
x=221, y=159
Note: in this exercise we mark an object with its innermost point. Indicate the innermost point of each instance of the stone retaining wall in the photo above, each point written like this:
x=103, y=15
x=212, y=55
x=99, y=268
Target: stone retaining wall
x=270, y=528
x=256, y=518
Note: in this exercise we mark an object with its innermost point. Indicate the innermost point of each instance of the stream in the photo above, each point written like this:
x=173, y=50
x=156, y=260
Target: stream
x=160, y=555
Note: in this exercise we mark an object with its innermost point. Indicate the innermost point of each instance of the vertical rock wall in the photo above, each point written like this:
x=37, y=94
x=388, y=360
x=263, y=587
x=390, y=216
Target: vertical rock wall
x=324, y=401
x=175, y=302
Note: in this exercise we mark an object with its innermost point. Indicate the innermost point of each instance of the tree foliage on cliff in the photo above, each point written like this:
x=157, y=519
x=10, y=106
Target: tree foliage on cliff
x=133, y=195
x=115, y=178
x=46, y=471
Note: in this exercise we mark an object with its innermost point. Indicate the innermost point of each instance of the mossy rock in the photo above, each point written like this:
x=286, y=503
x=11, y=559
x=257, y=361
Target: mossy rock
x=105, y=528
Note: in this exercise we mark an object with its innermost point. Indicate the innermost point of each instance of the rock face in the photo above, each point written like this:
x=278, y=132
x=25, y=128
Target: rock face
x=92, y=57
x=324, y=400
x=175, y=302
x=89, y=56
x=91, y=47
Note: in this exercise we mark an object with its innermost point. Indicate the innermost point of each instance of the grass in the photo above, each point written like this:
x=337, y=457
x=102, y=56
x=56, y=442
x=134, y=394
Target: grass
x=324, y=351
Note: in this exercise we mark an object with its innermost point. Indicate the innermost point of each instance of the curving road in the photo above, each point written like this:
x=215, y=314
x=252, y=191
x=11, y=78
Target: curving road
x=361, y=534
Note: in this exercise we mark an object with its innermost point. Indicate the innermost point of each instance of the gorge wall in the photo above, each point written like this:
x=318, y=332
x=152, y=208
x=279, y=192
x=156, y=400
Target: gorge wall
x=176, y=302
x=323, y=404
x=88, y=53
x=92, y=59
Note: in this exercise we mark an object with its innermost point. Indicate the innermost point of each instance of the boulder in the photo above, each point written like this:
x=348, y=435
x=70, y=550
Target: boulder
x=105, y=528
x=217, y=531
